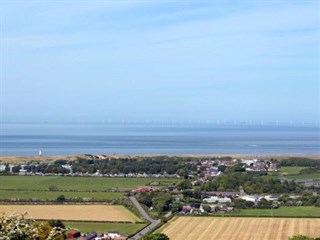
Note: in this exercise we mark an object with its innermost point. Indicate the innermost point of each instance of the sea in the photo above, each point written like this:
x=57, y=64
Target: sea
x=19, y=139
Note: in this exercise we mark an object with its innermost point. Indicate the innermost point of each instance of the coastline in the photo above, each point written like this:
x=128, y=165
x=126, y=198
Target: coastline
x=24, y=159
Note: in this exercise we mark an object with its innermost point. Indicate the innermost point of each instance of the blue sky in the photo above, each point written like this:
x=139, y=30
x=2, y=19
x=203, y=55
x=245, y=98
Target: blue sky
x=160, y=60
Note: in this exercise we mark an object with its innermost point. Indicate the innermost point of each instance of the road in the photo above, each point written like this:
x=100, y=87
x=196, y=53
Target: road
x=153, y=223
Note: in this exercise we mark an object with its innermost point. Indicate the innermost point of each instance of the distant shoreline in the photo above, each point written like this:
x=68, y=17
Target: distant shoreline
x=24, y=159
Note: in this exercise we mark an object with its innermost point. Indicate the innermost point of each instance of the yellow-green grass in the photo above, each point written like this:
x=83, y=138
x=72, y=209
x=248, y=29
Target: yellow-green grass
x=47, y=195
x=76, y=183
x=291, y=173
x=123, y=228
x=73, y=212
x=291, y=170
x=280, y=212
x=218, y=228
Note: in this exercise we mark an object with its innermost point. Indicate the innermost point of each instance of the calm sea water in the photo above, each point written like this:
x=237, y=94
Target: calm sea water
x=63, y=139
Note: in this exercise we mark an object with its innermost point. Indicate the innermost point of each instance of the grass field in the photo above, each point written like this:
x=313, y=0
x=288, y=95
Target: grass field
x=280, y=212
x=74, y=212
x=213, y=228
x=76, y=183
x=123, y=228
x=46, y=195
x=291, y=173
x=291, y=170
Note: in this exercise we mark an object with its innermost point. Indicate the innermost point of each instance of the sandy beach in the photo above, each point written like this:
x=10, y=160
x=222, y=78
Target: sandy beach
x=25, y=159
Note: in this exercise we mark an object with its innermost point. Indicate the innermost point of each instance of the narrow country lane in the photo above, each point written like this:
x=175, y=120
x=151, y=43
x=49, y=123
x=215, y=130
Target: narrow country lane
x=153, y=223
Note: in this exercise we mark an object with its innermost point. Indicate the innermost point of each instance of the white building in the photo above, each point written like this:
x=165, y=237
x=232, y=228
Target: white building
x=249, y=198
x=248, y=162
x=214, y=199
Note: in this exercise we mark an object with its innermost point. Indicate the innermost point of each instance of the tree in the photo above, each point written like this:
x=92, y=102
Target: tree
x=222, y=168
x=56, y=223
x=176, y=207
x=53, y=188
x=156, y=236
x=206, y=208
x=61, y=198
x=16, y=227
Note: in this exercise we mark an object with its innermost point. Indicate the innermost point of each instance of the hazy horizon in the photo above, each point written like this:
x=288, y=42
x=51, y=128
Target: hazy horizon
x=154, y=61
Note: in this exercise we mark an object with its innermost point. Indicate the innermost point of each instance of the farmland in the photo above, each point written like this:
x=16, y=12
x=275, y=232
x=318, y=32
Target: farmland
x=76, y=183
x=74, y=212
x=308, y=211
x=123, y=228
x=191, y=228
x=292, y=173
x=50, y=187
x=25, y=195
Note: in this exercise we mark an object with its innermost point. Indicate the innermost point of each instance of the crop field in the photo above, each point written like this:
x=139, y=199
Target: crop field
x=123, y=228
x=73, y=212
x=210, y=228
x=76, y=183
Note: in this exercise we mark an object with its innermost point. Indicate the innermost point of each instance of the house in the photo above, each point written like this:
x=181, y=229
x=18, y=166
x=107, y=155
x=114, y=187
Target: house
x=214, y=199
x=22, y=172
x=90, y=236
x=113, y=234
x=2, y=168
x=73, y=234
x=186, y=209
x=249, y=162
x=143, y=189
x=249, y=198
x=270, y=198
x=224, y=194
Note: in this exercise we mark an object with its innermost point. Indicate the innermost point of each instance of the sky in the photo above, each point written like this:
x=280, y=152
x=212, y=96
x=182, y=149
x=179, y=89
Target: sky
x=160, y=61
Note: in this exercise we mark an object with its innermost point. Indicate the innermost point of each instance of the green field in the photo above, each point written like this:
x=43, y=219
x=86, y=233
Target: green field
x=46, y=195
x=98, y=188
x=291, y=170
x=76, y=183
x=123, y=228
x=291, y=173
x=280, y=212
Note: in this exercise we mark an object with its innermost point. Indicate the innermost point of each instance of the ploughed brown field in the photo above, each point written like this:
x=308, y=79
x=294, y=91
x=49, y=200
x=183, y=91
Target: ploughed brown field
x=73, y=212
x=210, y=228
